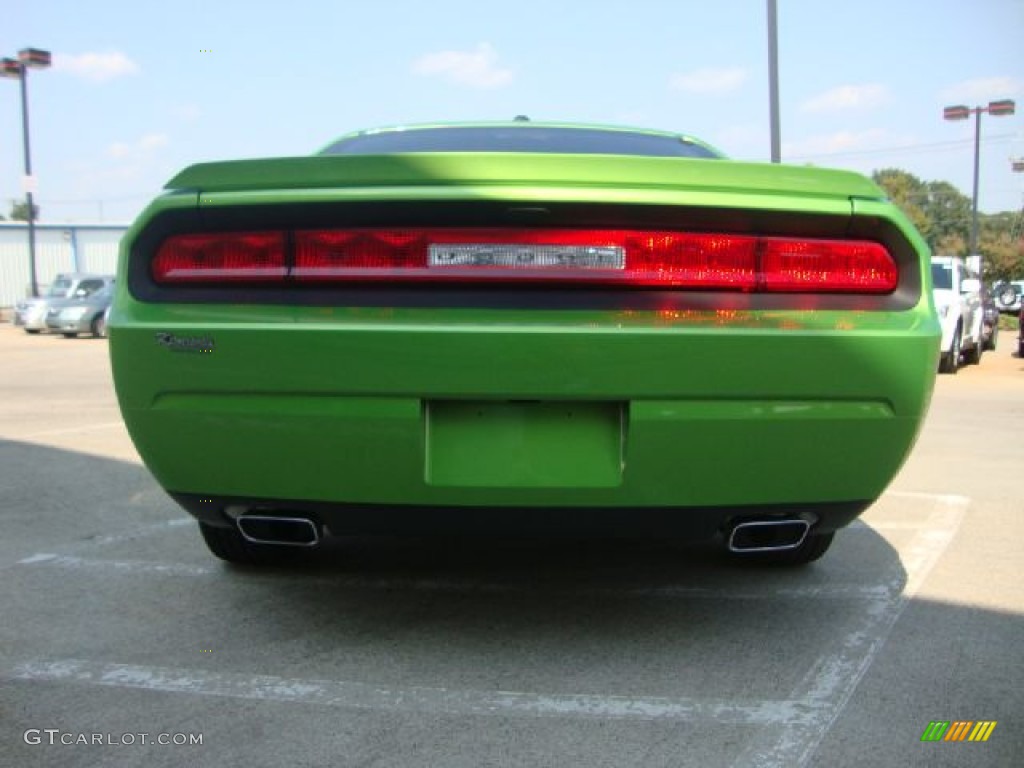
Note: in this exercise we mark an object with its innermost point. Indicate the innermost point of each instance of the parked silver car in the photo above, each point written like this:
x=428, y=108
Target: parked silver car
x=32, y=314
x=84, y=312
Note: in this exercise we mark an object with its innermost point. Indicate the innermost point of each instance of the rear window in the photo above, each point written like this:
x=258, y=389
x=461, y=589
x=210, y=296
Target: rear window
x=573, y=141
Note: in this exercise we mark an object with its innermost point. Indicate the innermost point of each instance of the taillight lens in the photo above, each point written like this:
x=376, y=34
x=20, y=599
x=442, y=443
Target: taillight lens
x=616, y=257
x=838, y=266
x=231, y=256
x=509, y=255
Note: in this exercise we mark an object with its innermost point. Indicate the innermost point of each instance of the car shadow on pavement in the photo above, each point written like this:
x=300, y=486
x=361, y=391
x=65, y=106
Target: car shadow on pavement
x=621, y=619
x=57, y=498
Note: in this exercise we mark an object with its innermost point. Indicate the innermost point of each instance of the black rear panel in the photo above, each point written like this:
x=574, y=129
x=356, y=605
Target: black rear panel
x=504, y=214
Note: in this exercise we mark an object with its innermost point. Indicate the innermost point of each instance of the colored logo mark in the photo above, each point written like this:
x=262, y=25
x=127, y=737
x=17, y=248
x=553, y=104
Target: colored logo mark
x=958, y=730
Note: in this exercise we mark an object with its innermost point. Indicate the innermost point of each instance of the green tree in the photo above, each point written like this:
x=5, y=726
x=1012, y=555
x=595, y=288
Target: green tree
x=942, y=214
x=949, y=212
x=1002, y=246
x=19, y=211
x=908, y=192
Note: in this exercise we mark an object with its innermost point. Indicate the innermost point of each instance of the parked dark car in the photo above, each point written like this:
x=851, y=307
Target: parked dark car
x=989, y=319
x=1020, y=336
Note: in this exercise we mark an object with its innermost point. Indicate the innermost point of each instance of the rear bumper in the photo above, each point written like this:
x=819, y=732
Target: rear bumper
x=696, y=417
x=690, y=523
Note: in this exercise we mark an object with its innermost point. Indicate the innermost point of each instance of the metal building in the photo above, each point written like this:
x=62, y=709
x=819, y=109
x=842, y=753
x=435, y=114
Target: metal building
x=59, y=248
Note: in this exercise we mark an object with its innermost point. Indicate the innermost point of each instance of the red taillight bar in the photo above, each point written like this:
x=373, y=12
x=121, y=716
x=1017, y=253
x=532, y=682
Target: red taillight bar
x=612, y=257
x=227, y=257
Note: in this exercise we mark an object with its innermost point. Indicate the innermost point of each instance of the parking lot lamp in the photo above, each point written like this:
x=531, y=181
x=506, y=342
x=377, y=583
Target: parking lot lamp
x=961, y=112
x=28, y=58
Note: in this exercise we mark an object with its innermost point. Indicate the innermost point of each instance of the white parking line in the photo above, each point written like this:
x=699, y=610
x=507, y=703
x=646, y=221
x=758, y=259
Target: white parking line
x=829, y=684
x=468, y=585
x=137, y=533
x=336, y=693
x=133, y=567
x=805, y=716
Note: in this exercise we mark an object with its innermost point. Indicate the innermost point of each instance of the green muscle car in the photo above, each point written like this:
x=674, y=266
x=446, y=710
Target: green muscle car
x=522, y=327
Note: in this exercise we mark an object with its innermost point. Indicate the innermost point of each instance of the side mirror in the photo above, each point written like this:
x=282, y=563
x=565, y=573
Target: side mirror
x=970, y=285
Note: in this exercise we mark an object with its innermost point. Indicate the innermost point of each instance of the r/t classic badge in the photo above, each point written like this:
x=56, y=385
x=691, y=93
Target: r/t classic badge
x=197, y=344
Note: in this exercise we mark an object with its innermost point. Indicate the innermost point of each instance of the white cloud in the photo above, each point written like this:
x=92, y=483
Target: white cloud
x=138, y=149
x=983, y=90
x=848, y=97
x=475, y=68
x=709, y=80
x=96, y=67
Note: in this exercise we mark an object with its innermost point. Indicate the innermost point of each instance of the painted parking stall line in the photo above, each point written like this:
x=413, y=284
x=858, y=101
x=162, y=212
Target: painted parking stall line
x=799, y=720
x=835, y=591
x=832, y=681
x=432, y=700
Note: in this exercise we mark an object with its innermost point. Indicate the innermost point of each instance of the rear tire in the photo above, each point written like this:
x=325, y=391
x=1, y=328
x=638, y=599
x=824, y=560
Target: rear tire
x=32, y=331
x=99, y=326
x=69, y=335
x=973, y=357
x=231, y=546
x=950, y=361
x=990, y=344
x=812, y=548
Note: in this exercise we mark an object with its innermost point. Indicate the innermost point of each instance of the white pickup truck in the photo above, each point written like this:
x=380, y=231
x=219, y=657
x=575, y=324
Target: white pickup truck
x=957, y=292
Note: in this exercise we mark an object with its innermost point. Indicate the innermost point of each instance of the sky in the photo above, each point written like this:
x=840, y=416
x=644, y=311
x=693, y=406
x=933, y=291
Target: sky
x=139, y=90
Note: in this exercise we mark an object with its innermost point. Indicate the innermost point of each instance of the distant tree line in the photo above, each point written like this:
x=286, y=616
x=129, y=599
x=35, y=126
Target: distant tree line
x=19, y=211
x=943, y=217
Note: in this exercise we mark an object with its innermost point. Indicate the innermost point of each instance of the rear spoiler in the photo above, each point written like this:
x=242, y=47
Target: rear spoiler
x=523, y=171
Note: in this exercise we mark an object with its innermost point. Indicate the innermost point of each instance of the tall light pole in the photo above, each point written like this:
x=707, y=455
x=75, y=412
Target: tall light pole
x=28, y=58
x=773, y=80
x=961, y=112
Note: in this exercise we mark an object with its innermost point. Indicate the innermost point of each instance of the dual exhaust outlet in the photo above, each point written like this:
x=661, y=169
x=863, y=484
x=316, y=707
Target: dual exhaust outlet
x=296, y=531
x=768, y=535
x=279, y=530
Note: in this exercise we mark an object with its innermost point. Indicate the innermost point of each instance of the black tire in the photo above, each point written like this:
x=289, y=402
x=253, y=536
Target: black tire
x=990, y=343
x=950, y=361
x=811, y=549
x=69, y=335
x=32, y=331
x=231, y=546
x=973, y=356
x=98, y=326
x=1007, y=295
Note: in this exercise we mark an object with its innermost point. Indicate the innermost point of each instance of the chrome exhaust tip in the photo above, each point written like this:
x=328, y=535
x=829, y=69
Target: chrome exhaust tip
x=278, y=530
x=768, y=535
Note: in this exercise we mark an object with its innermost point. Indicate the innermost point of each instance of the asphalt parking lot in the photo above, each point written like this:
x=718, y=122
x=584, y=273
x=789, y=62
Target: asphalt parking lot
x=119, y=628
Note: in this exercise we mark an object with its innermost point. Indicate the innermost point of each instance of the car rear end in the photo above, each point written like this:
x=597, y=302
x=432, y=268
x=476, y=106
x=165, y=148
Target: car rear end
x=471, y=342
